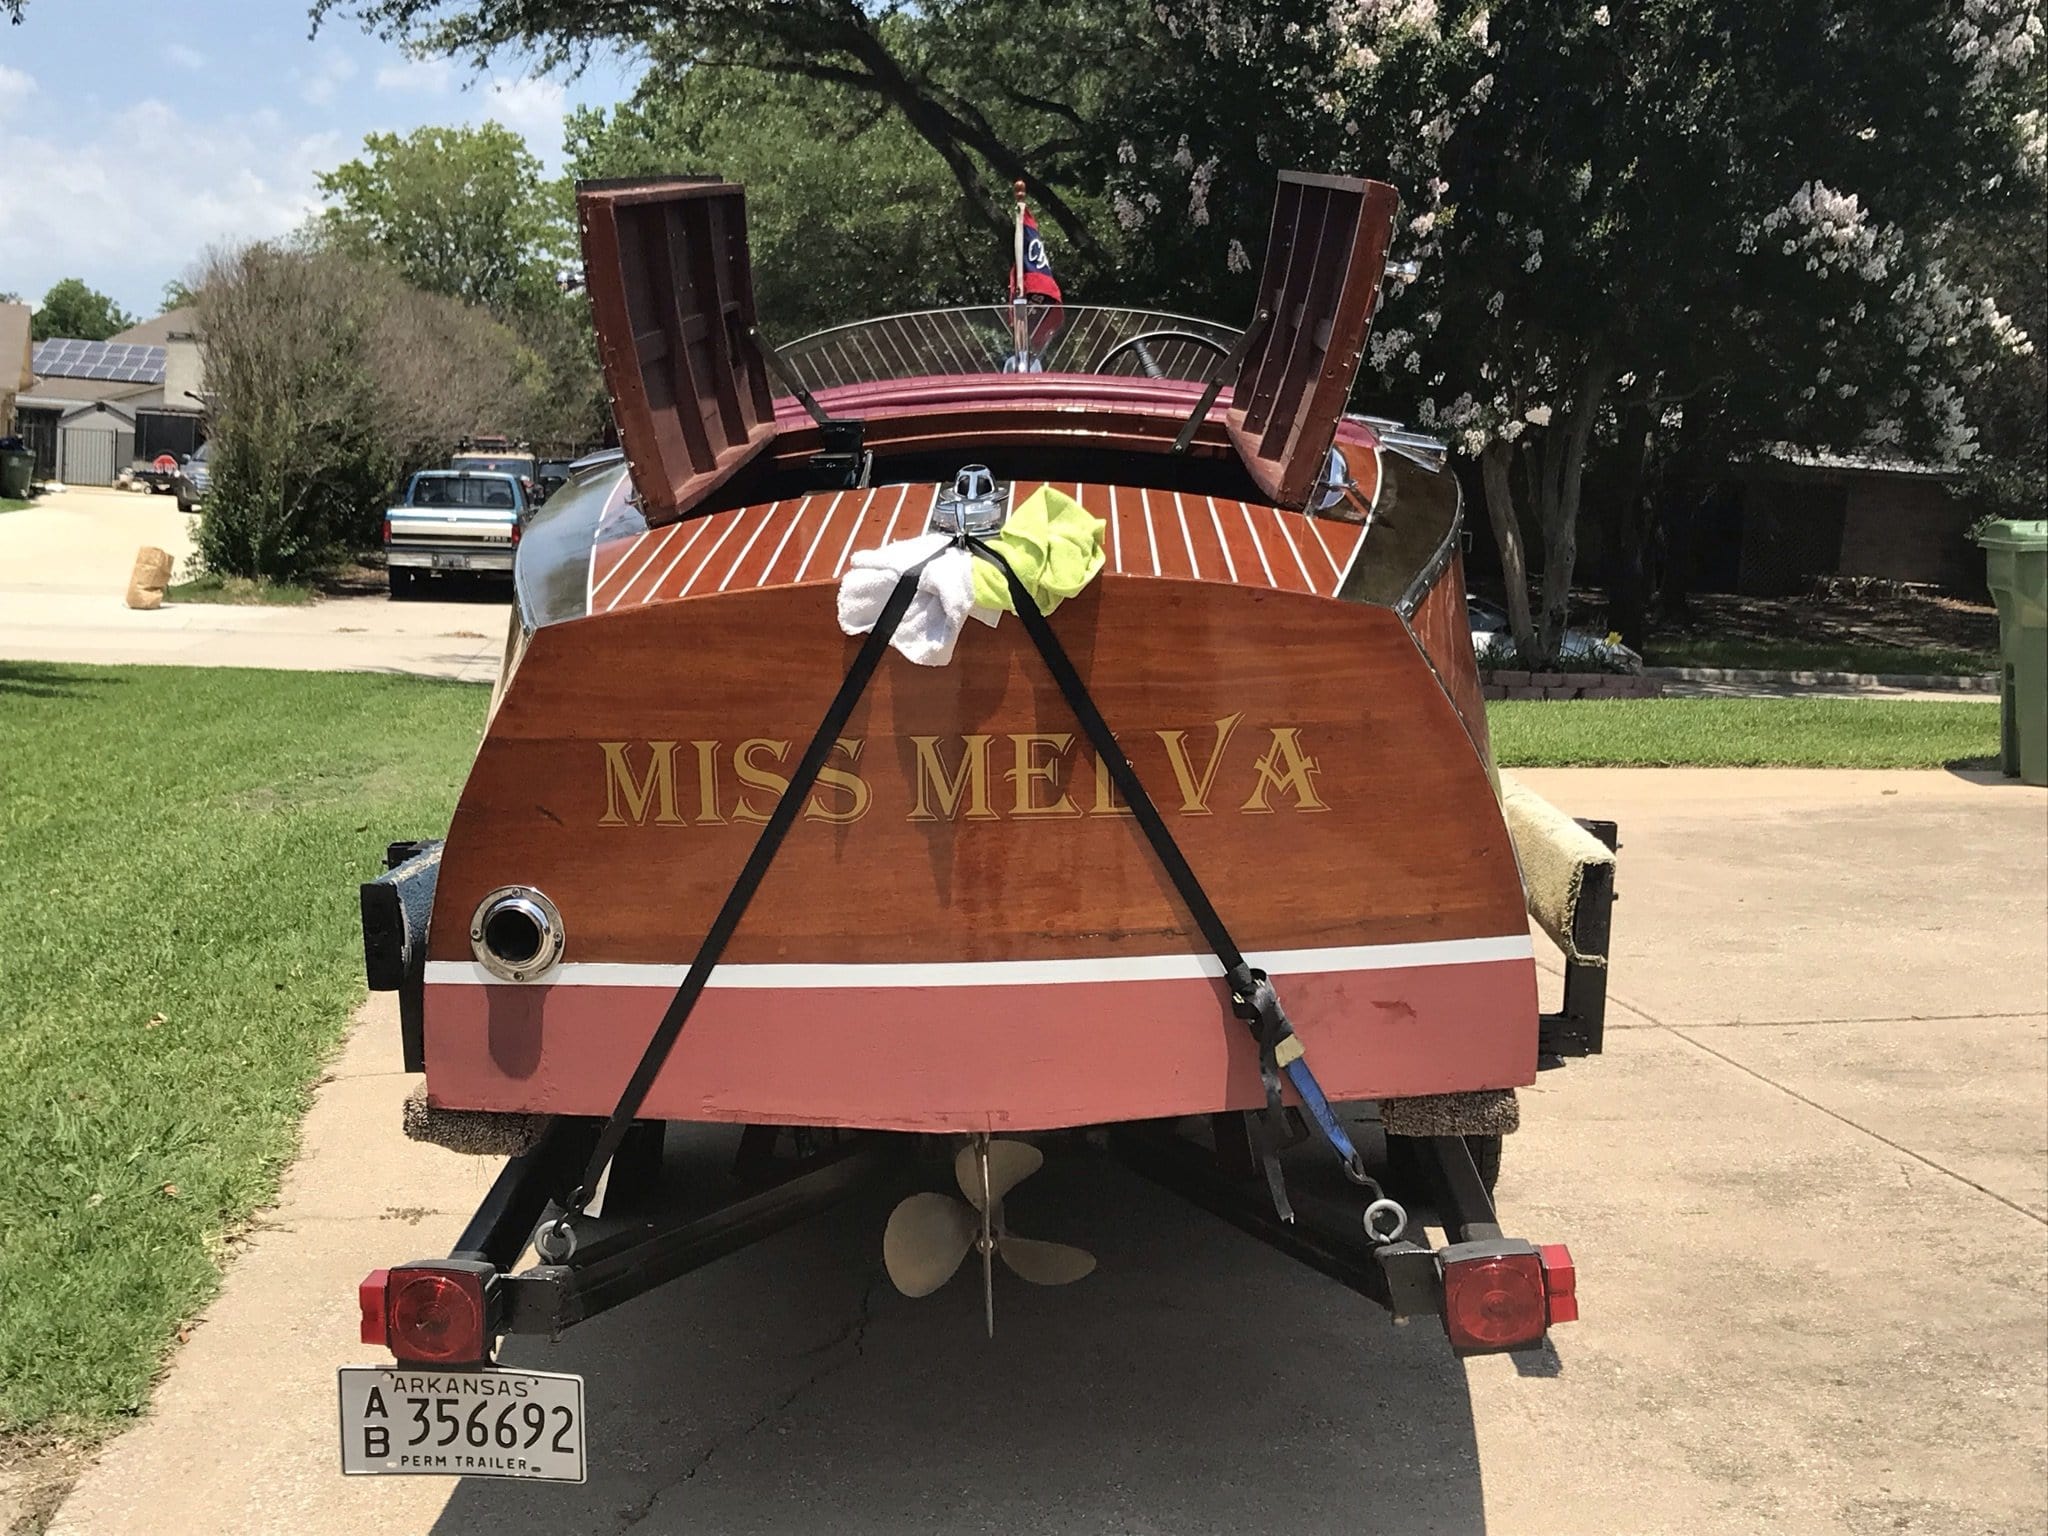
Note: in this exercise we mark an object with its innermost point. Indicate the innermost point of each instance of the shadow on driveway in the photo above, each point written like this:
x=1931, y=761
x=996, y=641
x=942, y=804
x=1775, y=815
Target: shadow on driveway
x=1196, y=1382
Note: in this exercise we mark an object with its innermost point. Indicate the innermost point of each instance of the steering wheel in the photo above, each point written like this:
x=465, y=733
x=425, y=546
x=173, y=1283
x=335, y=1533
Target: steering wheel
x=1142, y=344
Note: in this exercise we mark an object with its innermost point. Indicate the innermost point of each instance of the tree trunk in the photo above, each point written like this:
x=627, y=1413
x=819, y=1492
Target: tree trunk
x=1558, y=507
x=1628, y=580
x=1507, y=538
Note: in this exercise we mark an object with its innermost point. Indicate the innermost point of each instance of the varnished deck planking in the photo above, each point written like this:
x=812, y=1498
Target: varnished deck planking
x=1181, y=535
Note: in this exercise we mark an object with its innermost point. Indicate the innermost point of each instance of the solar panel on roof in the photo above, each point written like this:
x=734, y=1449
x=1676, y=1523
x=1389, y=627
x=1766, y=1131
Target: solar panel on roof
x=124, y=362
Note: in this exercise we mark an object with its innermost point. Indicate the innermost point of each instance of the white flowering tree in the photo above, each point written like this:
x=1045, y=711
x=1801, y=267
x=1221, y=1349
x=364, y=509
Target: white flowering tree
x=1705, y=220
x=1650, y=230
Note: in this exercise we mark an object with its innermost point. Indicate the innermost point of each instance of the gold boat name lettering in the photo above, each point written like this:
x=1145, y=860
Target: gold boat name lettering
x=984, y=777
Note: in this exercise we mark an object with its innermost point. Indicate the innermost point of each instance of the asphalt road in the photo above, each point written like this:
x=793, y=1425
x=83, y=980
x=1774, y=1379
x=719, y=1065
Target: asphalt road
x=1806, y=1188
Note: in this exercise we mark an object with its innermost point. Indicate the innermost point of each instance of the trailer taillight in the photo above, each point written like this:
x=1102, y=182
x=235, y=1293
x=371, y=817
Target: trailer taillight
x=370, y=1298
x=1495, y=1301
x=427, y=1313
x=1560, y=1282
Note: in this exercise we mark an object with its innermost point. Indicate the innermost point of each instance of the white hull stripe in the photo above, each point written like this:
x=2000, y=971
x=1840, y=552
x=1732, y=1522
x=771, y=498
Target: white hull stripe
x=1010, y=973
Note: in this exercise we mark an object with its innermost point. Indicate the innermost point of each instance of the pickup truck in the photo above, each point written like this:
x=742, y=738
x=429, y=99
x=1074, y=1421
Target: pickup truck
x=454, y=520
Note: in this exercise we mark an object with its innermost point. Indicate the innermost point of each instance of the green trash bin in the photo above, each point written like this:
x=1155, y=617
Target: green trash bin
x=2016, y=565
x=17, y=468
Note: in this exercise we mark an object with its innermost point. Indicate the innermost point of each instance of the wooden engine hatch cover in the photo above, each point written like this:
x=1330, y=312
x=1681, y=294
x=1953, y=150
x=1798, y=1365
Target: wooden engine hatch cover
x=1324, y=260
x=672, y=296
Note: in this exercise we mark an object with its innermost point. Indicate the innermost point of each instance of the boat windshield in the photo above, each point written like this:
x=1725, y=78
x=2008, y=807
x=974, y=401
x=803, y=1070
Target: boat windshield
x=1056, y=338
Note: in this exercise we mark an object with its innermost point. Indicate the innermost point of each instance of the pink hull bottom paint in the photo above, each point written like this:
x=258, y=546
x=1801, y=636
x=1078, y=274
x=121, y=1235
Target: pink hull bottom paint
x=975, y=1057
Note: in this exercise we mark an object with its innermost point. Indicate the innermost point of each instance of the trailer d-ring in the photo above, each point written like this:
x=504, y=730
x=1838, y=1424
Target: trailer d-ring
x=1391, y=1214
x=555, y=1241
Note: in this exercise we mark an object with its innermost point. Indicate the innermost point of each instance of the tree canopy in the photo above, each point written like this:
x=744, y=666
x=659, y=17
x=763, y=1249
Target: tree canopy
x=841, y=194
x=1651, y=235
x=458, y=211
x=73, y=310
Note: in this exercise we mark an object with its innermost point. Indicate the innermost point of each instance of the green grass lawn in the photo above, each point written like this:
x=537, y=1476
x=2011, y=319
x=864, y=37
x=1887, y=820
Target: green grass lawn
x=1816, y=656
x=179, y=854
x=1742, y=733
x=10, y=504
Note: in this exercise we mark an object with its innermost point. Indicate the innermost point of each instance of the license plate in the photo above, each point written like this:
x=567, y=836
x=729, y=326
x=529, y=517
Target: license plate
x=401, y=1422
x=451, y=562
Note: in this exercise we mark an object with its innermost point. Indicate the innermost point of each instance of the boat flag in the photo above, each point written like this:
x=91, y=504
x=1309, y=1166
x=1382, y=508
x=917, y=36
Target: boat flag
x=1039, y=283
x=1034, y=292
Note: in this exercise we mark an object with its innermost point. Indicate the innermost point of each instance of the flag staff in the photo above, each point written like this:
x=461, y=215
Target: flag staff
x=1018, y=301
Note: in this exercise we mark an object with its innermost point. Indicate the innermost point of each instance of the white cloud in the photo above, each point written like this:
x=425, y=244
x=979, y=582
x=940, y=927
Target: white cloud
x=185, y=56
x=532, y=107
x=74, y=208
x=417, y=77
x=323, y=82
x=15, y=89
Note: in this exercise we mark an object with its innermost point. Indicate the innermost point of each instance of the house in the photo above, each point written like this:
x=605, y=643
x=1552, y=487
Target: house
x=94, y=408
x=14, y=361
x=1795, y=514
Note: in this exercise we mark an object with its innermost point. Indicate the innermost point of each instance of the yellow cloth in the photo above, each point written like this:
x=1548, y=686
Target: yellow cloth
x=1052, y=542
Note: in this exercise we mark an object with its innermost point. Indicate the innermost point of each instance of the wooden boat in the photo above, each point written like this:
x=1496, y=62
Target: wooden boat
x=964, y=931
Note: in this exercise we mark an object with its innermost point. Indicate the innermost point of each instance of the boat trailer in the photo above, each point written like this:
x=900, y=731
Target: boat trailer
x=1493, y=1293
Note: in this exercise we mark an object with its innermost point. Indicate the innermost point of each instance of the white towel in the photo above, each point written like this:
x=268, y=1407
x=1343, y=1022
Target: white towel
x=944, y=601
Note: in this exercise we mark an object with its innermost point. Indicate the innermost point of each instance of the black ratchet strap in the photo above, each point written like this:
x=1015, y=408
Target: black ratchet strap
x=1251, y=993
x=765, y=848
x=1252, y=997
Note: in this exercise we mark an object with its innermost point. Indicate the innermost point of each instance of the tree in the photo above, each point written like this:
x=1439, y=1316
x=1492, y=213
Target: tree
x=999, y=94
x=72, y=310
x=840, y=192
x=1686, y=221
x=178, y=294
x=457, y=211
x=1650, y=233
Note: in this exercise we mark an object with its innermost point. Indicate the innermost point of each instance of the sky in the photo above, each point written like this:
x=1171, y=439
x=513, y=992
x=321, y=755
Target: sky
x=134, y=134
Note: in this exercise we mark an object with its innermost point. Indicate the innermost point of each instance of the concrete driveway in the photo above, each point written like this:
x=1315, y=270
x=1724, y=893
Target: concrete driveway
x=64, y=566
x=1806, y=1189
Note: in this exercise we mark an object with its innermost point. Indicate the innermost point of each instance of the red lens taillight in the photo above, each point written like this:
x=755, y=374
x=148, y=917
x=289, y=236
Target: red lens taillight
x=516, y=531
x=370, y=1299
x=1560, y=1283
x=424, y=1314
x=387, y=530
x=1495, y=1302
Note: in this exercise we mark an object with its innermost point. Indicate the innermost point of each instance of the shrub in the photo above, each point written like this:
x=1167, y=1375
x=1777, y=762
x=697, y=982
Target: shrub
x=330, y=378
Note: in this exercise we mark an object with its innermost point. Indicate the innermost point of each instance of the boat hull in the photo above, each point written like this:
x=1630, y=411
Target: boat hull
x=965, y=929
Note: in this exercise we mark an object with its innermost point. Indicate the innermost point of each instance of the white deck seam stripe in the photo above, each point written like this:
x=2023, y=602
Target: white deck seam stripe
x=803, y=510
x=1014, y=973
x=669, y=570
x=1252, y=527
x=1229, y=564
x=1281, y=518
x=748, y=548
x=1188, y=538
x=1116, y=532
x=1336, y=570
x=618, y=565
x=711, y=554
x=889, y=533
x=1151, y=533
x=795, y=523
x=653, y=555
x=853, y=533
